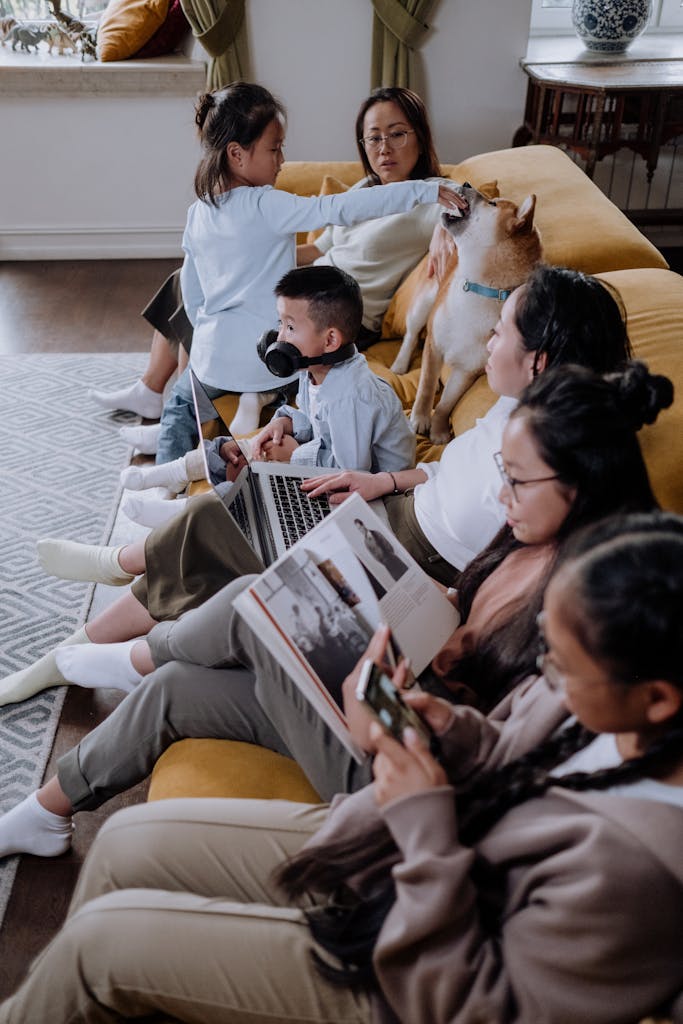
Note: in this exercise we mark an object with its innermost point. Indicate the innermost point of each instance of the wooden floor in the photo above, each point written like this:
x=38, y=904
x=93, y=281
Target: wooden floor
x=76, y=306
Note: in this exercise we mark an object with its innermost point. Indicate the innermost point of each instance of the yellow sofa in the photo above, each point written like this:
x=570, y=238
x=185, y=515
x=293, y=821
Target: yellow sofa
x=580, y=228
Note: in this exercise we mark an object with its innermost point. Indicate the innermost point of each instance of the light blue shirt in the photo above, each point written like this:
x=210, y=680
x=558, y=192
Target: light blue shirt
x=237, y=251
x=359, y=422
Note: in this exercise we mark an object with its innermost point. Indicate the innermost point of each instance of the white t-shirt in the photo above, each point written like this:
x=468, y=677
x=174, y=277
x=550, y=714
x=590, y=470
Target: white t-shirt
x=603, y=752
x=237, y=251
x=457, y=508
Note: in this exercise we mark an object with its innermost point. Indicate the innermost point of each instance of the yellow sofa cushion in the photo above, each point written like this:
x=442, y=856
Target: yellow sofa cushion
x=127, y=25
x=654, y=308
x=226, y=768
x=305, y=177
x=580, y=227
x=331, y=186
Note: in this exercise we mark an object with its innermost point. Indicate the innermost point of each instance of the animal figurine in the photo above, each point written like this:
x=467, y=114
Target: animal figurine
x=6, y=25
x=59, y=38
x=497, y=247
x=26, y=35
x=80, y=33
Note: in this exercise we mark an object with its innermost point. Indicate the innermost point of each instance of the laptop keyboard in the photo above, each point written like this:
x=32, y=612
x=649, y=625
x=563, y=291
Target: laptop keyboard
x=238, y=509
x=296, y=511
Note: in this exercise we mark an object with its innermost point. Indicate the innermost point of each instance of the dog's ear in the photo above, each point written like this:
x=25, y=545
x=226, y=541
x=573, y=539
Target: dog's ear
x=524, y=221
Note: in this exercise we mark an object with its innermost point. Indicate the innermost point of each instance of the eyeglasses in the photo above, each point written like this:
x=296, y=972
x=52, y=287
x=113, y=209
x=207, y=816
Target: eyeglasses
x=512, y=482
x=394, y=140
x=547, y=668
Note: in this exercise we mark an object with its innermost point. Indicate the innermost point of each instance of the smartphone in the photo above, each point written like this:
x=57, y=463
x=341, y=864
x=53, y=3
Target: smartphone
x=379, y=695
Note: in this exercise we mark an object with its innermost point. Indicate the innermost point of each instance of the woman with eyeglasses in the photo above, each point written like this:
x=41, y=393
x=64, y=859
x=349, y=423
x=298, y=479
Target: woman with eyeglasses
x=533, y=874
x=394, y=144
x=569, y=456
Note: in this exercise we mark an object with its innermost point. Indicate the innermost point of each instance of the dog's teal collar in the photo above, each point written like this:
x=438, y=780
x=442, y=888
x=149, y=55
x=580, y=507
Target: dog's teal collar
x=489, y=293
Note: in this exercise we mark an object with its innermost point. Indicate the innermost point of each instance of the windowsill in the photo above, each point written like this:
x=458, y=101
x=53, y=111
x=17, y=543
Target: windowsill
x=30, y=74
x=569, y=49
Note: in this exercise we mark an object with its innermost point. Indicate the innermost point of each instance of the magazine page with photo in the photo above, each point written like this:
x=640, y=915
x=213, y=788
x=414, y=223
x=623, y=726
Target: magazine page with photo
x=319, y=604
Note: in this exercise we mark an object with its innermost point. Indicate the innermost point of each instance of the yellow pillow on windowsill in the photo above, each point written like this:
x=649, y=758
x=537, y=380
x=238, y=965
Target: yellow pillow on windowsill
x=127, y=25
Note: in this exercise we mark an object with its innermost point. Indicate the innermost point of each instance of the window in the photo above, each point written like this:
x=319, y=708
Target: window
x=38, y=10
x=554, y=17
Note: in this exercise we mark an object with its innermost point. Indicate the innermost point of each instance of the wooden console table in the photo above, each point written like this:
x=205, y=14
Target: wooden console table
x=594, y=109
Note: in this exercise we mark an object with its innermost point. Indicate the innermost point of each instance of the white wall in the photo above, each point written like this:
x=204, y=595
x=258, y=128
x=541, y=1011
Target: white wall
x=316, y=55
x=107, y=175
x=94, y=177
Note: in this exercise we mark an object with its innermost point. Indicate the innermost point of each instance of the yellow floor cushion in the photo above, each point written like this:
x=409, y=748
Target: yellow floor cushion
x=226, y=768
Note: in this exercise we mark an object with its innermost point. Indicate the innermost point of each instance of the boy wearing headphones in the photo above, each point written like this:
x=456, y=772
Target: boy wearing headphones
x=347, y=417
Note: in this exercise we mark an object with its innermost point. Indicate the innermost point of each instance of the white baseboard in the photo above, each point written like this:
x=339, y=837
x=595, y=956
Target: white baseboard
x=91, y=243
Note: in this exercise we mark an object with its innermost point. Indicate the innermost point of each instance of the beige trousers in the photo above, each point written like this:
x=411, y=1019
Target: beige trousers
x=176, y=918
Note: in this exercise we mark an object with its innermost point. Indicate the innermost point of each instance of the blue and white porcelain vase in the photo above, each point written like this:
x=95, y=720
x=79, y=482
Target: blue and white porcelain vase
x=610, y=25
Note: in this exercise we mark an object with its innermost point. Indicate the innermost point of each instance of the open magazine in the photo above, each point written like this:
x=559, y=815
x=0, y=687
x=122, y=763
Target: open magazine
x=318, y=605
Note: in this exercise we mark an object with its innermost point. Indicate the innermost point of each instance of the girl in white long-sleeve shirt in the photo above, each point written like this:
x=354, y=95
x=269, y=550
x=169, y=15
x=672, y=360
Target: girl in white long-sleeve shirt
x=239, y=241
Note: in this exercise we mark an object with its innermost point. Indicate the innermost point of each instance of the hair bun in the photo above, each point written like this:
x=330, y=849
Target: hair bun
x=641, y=395
x=205, y=103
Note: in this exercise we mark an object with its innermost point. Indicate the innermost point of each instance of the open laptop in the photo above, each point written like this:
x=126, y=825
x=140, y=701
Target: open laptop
x=265, y=500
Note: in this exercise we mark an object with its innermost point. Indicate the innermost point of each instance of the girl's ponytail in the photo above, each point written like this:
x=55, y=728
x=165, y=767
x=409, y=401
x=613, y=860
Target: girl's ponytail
x=205, y=103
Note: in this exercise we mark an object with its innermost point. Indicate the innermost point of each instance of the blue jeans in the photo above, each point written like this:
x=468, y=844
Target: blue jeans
x=178, y=421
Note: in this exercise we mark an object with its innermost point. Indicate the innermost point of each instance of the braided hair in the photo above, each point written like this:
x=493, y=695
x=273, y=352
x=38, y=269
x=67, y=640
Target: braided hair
x=628, y=603
x=240, y=113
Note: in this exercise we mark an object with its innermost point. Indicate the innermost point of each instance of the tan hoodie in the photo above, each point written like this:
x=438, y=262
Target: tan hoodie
x=591, y=886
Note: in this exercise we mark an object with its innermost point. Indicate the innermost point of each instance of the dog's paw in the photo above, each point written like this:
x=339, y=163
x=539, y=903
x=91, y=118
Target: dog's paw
x=439, y=436
x=440, y=432
x=420, y=422
x=401, y=364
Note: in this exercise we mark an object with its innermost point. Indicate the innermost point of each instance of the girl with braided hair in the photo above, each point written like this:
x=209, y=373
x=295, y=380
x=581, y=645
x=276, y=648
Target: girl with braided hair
x=534, y=874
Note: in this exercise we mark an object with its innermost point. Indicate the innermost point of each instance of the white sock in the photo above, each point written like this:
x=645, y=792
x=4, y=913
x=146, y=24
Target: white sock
x=248, y=413
x=172, y=475
x=136, y=398
x=70, y=560
x=106, y=666
x=145, y=439
x=42, y=674
x=151, y=511
x=31, y=828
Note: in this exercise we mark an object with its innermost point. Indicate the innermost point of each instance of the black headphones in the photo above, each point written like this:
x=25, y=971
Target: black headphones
x=283, y=359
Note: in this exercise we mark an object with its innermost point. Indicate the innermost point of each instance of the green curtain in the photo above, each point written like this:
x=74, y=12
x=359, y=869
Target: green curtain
x=220, y=26
x=398, y=29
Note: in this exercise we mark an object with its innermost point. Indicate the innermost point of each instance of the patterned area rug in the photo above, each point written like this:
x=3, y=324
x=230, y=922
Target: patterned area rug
x=60, y=457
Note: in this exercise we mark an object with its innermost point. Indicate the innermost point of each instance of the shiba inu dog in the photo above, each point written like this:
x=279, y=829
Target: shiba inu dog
x=497, y=247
